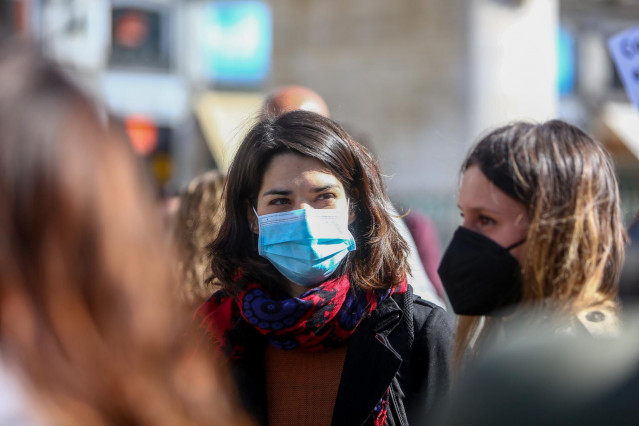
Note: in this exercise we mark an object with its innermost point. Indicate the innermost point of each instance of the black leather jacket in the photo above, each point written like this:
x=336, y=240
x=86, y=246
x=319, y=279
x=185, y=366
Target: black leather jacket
x=404, y=344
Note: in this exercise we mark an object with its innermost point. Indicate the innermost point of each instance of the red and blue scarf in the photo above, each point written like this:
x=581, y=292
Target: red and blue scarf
x=324, y=316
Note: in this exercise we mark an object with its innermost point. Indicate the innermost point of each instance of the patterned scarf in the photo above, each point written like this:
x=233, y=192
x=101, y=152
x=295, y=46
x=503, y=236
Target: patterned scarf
x=322, y=317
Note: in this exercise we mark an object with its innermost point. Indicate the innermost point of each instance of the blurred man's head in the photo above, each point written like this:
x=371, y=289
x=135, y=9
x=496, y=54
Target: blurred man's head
x=290, y=98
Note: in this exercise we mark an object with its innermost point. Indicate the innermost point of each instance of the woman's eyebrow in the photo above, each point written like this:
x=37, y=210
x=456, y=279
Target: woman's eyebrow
x=479, y=209
x=324, y=188
x=277, y=192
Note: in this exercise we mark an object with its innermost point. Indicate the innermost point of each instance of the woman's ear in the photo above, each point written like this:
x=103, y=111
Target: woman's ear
x=252, y=220
x=351, y=205
x=351, y=215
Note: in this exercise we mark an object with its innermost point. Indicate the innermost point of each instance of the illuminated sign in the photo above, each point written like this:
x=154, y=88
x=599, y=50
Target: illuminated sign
x=565, y=61
x=236, y=42
x=143, y=134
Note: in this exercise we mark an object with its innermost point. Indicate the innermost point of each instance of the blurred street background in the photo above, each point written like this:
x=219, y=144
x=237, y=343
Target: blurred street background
x=417, y=80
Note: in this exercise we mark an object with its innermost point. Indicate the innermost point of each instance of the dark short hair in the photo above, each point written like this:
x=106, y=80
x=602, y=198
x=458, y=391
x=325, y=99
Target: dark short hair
x=380, y=258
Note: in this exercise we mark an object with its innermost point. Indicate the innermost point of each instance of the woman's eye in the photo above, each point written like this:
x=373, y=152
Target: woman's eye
x=485, y=220
x=279, y=201
x=326, y=196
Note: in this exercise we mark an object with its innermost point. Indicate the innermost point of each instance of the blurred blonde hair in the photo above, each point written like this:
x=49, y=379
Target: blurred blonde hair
x=88, y=311
x=197, y=223
x=575, y=239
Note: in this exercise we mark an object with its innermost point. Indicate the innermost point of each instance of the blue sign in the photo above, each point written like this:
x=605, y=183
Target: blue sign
x=565, y=61
x=237, y=43
x=624, y=48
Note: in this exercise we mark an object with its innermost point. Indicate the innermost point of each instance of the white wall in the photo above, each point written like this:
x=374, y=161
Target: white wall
x=513, y=61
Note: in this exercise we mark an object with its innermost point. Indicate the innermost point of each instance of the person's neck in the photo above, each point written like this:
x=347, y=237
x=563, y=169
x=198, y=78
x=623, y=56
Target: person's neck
x=295, y=290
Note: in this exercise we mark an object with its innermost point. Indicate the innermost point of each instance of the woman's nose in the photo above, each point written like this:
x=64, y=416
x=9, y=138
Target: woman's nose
x=304, y=205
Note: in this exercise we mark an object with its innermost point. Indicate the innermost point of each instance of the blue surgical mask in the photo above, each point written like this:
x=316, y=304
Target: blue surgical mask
x=305, y=245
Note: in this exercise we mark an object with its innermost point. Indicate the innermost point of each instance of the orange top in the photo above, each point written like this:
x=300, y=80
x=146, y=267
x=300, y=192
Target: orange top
x=301, y=386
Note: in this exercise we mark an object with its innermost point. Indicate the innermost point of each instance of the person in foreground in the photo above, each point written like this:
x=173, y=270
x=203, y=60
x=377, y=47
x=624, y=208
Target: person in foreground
x=90, y=331
x=315, y=313
x=541, y=234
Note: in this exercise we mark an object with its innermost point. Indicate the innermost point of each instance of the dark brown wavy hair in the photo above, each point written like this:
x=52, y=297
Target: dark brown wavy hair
x=88, y=315
x=575, y=239
x=380, y=258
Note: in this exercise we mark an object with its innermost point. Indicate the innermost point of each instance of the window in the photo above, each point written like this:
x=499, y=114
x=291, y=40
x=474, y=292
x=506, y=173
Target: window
x=139, y=39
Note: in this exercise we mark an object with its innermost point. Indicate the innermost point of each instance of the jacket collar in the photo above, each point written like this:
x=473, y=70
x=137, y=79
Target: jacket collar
x=371, y=364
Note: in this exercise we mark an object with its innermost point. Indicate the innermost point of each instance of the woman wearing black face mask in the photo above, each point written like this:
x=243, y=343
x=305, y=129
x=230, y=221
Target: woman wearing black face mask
x=541, y=231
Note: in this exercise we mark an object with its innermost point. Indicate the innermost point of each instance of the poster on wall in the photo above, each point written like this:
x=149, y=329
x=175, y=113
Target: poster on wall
x=624, y=48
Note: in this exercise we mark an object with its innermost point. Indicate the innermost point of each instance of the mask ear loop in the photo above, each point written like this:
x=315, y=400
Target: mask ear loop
x=257, y=216
x=517, y=244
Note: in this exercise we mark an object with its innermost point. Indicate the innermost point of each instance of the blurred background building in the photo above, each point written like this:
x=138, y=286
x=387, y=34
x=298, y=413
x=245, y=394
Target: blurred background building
x=417, y=80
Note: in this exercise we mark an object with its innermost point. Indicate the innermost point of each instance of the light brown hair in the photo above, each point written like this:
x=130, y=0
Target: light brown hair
x=575, y=239
x=197, y=223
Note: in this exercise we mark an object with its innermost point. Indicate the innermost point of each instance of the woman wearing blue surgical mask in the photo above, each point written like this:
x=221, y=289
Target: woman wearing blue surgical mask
x=541, y=234
x=315, y=313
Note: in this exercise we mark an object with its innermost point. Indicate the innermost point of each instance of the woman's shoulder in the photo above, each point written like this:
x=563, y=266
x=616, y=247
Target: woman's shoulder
x=431, y=320
x=423, y=321
x=426, y=310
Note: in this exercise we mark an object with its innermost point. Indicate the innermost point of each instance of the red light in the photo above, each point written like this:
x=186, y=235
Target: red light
x=131, y=29
x=143, y=134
